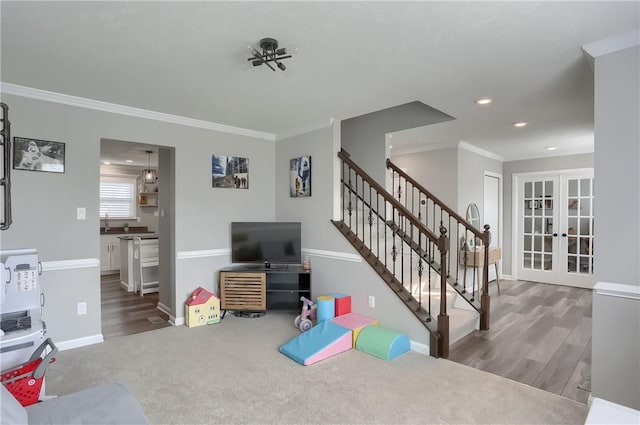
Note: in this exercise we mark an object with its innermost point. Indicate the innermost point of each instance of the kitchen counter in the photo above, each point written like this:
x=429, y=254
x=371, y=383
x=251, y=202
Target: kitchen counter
x=120, y=230
x=151, y=235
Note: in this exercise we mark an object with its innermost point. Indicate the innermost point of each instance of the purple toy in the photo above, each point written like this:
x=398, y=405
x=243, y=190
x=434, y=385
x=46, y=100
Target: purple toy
x=303, y=321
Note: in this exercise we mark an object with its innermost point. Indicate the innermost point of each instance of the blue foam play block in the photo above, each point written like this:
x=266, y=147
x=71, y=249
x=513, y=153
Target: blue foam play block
x=322, y=341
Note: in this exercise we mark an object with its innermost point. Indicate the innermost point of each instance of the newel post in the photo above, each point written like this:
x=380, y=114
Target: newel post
x=443, y=317
x=485, y=301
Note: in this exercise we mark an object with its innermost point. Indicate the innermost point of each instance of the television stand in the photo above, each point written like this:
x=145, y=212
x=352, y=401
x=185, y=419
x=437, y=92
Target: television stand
x=246, y=288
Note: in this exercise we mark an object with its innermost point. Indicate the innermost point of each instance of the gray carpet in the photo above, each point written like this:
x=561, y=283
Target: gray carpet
x=232, y=373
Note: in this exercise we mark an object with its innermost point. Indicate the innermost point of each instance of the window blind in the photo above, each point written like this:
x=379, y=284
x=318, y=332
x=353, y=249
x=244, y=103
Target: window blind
x=117, y=197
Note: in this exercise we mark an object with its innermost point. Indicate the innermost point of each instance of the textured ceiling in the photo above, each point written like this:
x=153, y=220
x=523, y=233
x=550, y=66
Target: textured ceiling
x=186, y=58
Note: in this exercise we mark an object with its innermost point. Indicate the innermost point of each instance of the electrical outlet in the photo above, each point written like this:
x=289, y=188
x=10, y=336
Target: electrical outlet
x=82, y=309
x=372, y=301
x=81, y=213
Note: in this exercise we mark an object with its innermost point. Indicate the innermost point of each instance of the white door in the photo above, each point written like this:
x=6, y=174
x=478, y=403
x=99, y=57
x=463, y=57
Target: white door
x=492, y=208
x=555, y=228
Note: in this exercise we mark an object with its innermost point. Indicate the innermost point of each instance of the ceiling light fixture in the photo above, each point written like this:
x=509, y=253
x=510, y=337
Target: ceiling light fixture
x=149, y=174
x=269, y=52
x=484, y=101
x=129, y=160
x=520, y=124
x=551, y=148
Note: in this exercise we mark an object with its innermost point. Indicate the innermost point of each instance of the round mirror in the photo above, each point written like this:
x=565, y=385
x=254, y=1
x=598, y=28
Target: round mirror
x=473, y=215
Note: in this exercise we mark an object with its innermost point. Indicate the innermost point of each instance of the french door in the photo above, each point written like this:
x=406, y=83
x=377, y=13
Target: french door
x=555, y=228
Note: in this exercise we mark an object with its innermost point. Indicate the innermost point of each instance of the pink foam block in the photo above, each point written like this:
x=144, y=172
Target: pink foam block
x=340, y=345
x=353, y=321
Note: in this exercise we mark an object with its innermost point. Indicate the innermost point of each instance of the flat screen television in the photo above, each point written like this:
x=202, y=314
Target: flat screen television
x=266, y=243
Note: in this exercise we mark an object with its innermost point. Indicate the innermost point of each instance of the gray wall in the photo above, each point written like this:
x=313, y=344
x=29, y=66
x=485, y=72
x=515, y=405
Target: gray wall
x=527, y=166
x=471, y=168
x=364, y=136
x=314, y=212
x=436, y=170
x=44, y=204
x=616, y=325
x=166, y=227
x=617, y=170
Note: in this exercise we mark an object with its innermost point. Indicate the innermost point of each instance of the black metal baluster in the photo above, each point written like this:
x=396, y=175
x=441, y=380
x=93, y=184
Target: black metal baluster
x=420, y=269
x=350, y=204
x=449, y=259
x=430, y=247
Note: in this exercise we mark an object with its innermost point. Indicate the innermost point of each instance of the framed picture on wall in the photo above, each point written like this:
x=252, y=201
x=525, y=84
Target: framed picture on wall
x=230, y=172
x=300, y=177
x=38, y=155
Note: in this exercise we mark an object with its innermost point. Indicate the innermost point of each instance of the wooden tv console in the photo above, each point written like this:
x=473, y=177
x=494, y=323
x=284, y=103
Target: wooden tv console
x=247, y=288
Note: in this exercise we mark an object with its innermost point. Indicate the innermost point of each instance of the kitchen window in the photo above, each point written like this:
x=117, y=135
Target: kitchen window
x=118, y=196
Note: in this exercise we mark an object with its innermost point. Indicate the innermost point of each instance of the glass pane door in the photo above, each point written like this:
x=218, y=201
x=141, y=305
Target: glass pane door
x=538, y=244
x=579, y=225
x=556, y=228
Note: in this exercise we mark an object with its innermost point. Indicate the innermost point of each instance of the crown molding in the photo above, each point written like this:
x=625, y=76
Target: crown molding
x=305, y=129
x=471, y=148
x=424, y=148
x=97, y=105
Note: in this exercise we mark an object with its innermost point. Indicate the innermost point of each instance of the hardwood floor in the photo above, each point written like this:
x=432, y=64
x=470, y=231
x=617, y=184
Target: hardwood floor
x=127, y=313
x=540, y=335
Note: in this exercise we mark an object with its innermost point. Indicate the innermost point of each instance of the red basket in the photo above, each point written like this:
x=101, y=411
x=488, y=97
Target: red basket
x=24, y=382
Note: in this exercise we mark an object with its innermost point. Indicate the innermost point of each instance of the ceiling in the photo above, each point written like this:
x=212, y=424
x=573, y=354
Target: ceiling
x=187, y=58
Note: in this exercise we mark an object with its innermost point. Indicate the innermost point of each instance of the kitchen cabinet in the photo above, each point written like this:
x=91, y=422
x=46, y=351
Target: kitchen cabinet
x=109, y=253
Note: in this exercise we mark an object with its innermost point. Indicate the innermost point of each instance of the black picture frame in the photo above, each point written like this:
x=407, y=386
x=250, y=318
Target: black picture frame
x=38, y=155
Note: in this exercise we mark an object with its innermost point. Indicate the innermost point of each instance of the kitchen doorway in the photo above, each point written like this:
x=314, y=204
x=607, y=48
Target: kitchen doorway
x=145, y=209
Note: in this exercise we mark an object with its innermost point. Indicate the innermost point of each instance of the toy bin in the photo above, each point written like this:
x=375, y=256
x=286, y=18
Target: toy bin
x=24, y=381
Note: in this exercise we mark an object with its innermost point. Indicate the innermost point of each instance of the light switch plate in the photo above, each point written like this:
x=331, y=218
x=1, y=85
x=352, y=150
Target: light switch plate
x=81, y=213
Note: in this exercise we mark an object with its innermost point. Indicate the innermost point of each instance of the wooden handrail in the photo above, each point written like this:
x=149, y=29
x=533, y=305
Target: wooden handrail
x=397, y=205
x=438, y=202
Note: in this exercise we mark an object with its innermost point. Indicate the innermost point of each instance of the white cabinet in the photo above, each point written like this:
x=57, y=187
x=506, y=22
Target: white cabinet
x=109, y=253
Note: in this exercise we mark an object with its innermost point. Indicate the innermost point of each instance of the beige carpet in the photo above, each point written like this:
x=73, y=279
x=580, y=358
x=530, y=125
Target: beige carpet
x=232, y=373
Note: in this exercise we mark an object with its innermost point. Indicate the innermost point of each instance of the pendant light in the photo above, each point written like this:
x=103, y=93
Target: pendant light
x=149, y=174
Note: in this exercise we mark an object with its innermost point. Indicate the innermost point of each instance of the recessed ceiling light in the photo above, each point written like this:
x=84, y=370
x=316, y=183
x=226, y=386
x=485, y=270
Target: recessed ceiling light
x=106, y=162
x=551, y=148
x=129, y=160
x=484, y=101
x=520, y=124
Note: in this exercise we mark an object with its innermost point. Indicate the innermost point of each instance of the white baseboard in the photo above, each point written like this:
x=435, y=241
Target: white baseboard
x=506, y=277
x=80, y=342
x=419, y=347
x=172, y=319
x=603, y=412
x=163, y=308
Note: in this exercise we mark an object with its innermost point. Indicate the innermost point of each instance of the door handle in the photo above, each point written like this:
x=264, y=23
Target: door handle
x=564, y=235
x=555, y=235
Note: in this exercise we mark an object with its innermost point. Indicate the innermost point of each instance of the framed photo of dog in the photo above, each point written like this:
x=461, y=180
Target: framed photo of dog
x=38, y=155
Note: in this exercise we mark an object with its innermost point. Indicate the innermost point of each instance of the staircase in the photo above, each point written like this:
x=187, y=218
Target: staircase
x=407, y=247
